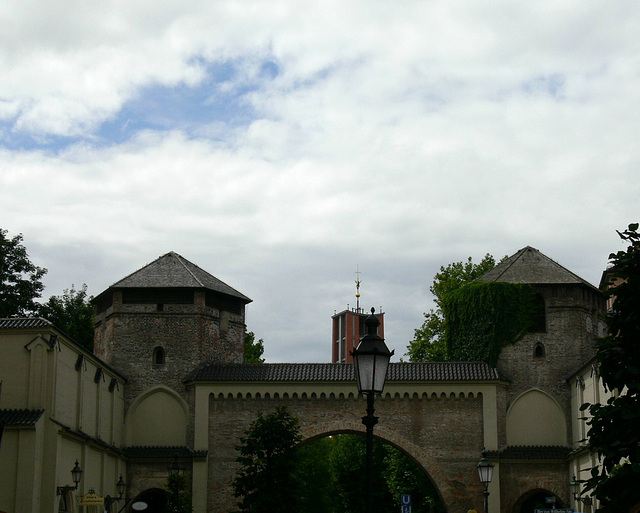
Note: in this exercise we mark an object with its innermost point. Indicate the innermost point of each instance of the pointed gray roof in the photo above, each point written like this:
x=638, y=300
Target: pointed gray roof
x=174, y=271
x=530, y=266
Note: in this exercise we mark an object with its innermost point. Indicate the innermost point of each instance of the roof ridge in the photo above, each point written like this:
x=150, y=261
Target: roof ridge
x=518, y=254
x=182, y=261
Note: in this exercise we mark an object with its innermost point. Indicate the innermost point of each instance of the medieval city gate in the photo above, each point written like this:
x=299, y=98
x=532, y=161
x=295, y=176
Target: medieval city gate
x=443, y=426
x=177, y=334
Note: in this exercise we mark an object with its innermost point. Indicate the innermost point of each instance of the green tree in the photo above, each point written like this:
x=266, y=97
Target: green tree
x=253, y=350
x=404, y=476
x=348, y=462
x=266, y=480
x=614, y=432
x=315, y=476
x=430, y=340
x=72, y=312
x=178, y=497
x=20, y=280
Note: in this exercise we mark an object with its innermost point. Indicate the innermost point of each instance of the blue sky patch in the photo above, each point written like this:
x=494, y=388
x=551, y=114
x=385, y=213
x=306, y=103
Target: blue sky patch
x=160, y=107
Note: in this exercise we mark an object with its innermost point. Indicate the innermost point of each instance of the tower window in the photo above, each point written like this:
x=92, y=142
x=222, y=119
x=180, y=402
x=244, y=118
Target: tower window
x=158, y=356
x=539, y=324
x=538, y=351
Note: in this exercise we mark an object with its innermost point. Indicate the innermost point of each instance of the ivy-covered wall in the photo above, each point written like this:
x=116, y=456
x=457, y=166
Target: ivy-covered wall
x=482, y=317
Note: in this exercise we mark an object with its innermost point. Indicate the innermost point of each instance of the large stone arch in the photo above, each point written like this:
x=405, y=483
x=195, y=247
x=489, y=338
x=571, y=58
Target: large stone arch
x=157, y=417
x=441, y=432
x=528, y=412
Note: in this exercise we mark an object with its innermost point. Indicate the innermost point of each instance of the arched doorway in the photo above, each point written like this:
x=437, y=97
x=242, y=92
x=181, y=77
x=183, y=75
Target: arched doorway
x=536, y=499
x=152, y=500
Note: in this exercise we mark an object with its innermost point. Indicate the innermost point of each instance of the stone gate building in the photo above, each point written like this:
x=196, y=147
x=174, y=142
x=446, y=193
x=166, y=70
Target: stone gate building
x=166, y=380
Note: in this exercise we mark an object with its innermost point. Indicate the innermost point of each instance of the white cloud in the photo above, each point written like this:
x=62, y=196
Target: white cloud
x=400, y=137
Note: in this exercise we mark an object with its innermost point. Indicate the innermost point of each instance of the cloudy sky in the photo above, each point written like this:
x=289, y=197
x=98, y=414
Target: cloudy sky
x=279, y=145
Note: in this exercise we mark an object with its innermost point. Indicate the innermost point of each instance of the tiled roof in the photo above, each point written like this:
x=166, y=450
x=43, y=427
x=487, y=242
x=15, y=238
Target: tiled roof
x=163, y=452
x=20, y=417
x=173, y=271
x=24, y=322
x=306, y=372
x=530, y=266
x=531, y=452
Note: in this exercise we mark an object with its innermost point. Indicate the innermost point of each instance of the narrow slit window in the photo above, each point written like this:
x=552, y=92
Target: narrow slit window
x=538, y=351
x=158, y=356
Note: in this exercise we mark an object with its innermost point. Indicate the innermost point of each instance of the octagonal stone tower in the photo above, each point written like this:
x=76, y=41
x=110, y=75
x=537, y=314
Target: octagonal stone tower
x=158, y=323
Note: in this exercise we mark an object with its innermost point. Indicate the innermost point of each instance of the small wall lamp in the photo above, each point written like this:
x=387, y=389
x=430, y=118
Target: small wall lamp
x=76, y=475
x=576, y=490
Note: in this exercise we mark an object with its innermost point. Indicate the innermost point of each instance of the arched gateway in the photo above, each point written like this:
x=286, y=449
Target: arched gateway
x=442, y=414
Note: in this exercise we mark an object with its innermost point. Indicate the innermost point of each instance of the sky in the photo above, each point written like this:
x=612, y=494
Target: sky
x=281, y=145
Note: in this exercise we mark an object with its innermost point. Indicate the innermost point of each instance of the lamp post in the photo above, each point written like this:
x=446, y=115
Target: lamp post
x=576, y=491
x=76, y=475
x=177, y=468
x=485, y=473
x=371, y=361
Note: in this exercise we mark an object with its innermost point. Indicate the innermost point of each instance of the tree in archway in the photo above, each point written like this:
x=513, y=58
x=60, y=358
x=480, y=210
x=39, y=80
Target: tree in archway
x=348, y=467
x=614, y=431
x=266, y=480
x=20, y=280
x=315, y=476
x=404, y=476
x=178, y=497
x=430, y=340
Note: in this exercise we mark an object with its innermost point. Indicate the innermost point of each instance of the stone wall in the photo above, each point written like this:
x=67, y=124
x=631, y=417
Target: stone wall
x=127, y=334
x=521, y=479
x=445, y=436
x=569, y=341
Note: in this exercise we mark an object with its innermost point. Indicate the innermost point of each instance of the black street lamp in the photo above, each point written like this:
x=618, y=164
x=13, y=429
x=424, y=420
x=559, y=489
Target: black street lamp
x=177, y=468
x=121, y=487
x=76, y=475
x=485, y=473
x=371, y=361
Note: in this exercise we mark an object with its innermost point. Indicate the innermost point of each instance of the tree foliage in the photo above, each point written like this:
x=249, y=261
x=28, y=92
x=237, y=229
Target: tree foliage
x=253, y=350
x=315, y=476
x=178, y=497
x=430, y=340
x=395, y=474
x=348, y=462
x=404, y=476
x=20, y=280
x=72, y=312
x=266, y=480
x=614, y=432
